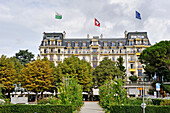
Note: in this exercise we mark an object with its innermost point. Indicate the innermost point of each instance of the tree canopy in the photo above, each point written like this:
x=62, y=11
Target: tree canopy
x=157, y=60
x=37, y=76
x=73, y=67
x=119, y=64
x=106, y=70
x=8, y=75
x=24, y=56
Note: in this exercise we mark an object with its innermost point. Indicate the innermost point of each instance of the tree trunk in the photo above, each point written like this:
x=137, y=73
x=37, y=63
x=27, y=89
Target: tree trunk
x=42, y=96
x=36, y=97
x=8, y=95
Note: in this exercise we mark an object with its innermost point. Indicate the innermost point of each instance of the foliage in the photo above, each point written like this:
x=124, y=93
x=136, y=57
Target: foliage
x=81, y=70
x=165, y=102
x=49, y=100
x=138, y=109
x=21, y=108
x=166, y=88
x=120, y=65
x=112, y=93
x=17, y=64
x=37, y=76
x=24, y=56
x=7, y=74
x=71, y=93
x=133, y=78
x=156, y=101
x=106, y=70
x=157, y=59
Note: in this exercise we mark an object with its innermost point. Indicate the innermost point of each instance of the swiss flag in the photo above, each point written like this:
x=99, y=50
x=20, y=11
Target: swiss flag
x=97, y=23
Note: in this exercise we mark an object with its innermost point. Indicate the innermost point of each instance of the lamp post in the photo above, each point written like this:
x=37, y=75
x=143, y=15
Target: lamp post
x=143, y=105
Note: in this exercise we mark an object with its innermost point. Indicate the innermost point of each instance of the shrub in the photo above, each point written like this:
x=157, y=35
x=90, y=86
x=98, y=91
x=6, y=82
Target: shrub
x=165, y=102
x=49, y=100
x=156, y=101
x=138, y=109
x=36, y=108
x=133, y=78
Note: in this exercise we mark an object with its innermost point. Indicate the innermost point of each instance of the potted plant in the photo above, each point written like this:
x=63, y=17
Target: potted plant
x=133, y=78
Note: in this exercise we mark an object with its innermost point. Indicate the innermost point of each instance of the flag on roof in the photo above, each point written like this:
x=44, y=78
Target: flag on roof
x=58, y=16
x=96, y=22
x=138, y=15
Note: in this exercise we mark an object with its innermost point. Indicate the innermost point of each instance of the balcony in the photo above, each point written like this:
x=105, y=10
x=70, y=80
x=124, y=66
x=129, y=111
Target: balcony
x=132, y=68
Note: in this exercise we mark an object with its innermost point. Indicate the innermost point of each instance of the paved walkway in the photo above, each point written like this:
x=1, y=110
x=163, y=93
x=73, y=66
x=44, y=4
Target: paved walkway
x=91, y=107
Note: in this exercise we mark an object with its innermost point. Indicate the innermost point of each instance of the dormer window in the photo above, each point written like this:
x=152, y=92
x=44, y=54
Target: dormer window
x=84, y=44
x=131, y=43
x=46, y=43
x=76, y=44
x=52, y=42
x=105, y=44
x=138, y=42
x=113, y=43
x=94, y=43
x=69, y=44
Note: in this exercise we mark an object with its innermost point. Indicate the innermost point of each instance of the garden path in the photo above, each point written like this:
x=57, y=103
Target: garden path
x=91, y=107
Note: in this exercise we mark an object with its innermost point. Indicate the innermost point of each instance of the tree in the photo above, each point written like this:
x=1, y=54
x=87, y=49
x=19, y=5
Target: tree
x=8, y=75
x=112, y=93
x=37, y=76
x=17, y=64
x=73, y=67
x=71, y=93
x=106, y=70
x=157, y=59
x=24, y=56
x=120, y=65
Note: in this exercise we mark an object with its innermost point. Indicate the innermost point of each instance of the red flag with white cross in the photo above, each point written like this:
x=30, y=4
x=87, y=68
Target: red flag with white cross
x=96, y=22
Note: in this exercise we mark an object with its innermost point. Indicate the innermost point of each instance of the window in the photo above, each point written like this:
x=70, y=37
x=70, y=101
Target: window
x=131, y=58
x=131, y=66
x=45, y=50
x=145, y=42
x=95, y=57
x=76, y=44
x=94, y=64
x=113, y=43
x=58, y=58
x=94, y=43
x=113, y=58
x=138, y=49
x=69, y=44
x=105, y=50
x=68, y=50
x=51, y=57
x=84, y=58
x=46, y=44
x=139, y=72
x=94, y=50
x=131, y=43
x=120, y=44
x=58, y=50
x=84, y=51
x=76, y=51
x=131, y=50
x=113, y=51
x=58, y=43
x=105, y=44
x=84, y=44
x=138, y=42
x=45, y=56
x=52, y=42
x=120, y=50
x=52, y=50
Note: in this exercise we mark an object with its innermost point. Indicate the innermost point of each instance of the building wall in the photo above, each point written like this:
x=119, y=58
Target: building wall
x=55, y=47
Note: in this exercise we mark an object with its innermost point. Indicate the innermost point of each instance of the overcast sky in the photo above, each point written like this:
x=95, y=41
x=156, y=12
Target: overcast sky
x=22, y=22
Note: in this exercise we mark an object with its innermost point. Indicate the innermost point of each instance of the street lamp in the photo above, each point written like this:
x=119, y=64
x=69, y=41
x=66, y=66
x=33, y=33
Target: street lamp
x=143, y=105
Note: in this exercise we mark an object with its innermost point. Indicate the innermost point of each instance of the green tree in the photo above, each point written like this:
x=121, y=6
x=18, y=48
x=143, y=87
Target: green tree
x=73, y=67
x=71, y=93
x=120, y=65
x=17, y=64
x=37, y=76
x=106, y=70
x=112, y=93
x=157, y=60
x=8, y=75
x=24, y=56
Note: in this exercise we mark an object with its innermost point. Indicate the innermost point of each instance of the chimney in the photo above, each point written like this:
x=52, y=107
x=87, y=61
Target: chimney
x=64, y=34
x=125, y=34
x=43, y=35
x=88, y=36
x=101, y=36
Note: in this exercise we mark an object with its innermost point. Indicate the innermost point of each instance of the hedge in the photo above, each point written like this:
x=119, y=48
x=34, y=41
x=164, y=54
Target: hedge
x=138, y=109
x=19, y=108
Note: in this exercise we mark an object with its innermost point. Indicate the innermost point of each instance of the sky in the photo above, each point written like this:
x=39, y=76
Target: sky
x=22, y=22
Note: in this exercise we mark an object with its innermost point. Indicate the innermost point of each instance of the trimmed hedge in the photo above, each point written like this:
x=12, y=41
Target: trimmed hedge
x=138, y=109
x=19, y=108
